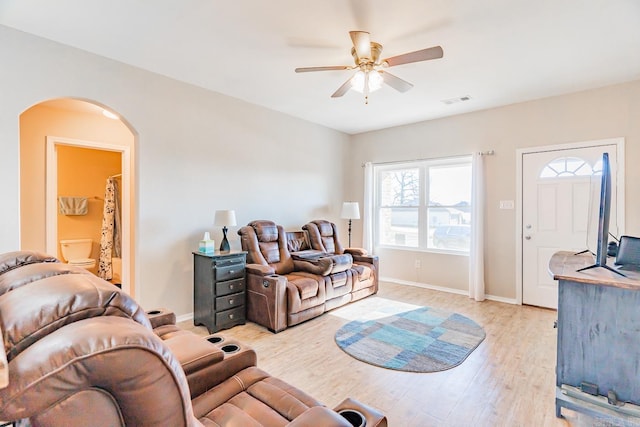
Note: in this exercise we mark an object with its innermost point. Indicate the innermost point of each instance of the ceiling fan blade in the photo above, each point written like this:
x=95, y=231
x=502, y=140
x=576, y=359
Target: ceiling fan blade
x=417, y=56
x=362, y=44
x=395, y=82
x=342, y=89
x=329, y=68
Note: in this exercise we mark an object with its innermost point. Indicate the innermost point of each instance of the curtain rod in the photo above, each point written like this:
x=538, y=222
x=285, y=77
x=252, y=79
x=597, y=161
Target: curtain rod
x=482, y=153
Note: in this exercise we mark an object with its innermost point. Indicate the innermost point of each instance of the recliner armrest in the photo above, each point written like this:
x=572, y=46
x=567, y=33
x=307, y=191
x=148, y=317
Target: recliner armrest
x=372, y=417
x=193, y=352
x=319, y=416
x=356, y=251
x=267, y=300
x=161, y=317
x=259, y=269
x=369, y=259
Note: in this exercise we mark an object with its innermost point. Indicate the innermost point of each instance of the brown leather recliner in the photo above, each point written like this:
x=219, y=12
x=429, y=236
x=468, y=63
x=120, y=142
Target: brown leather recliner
x=286, y=288
x=81, y=352
x=323, y=236
x=281, y=291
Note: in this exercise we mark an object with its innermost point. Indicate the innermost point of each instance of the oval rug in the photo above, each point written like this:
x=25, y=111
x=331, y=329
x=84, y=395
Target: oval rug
x=422, y=340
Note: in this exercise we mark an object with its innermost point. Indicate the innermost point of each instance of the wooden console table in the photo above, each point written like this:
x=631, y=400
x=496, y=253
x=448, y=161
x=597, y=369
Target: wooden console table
x=598, y=355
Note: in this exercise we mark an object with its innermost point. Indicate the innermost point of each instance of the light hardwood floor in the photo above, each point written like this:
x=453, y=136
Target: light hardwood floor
x=509, y=380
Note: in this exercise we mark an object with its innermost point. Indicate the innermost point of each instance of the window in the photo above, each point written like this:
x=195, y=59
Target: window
x=424, y=204
x=570, y=167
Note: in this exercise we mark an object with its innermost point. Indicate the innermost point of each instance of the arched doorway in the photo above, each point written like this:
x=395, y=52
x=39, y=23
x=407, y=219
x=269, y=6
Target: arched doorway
x=92, y=147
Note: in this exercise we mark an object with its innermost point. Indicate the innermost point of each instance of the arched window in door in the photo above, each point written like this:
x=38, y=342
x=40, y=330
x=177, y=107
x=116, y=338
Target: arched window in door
x=570, y=167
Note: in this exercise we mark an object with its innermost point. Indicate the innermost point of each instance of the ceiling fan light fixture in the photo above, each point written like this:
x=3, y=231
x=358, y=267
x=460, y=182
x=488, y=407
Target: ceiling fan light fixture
x=374, y=77
x=109, y=114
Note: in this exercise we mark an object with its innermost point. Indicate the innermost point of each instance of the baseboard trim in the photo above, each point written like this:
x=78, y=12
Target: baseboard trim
x=189, y=316
x=184, y=317
x=445, y=289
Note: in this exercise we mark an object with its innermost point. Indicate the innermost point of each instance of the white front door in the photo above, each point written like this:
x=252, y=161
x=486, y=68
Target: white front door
x=560, y=197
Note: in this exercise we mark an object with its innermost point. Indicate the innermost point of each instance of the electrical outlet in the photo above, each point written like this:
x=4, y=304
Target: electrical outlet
x=418, y=263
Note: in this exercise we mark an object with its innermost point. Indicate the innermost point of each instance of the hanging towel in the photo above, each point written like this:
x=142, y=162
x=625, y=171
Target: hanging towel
x=73, y=205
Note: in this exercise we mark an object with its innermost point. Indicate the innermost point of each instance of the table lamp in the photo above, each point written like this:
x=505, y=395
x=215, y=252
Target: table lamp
x=224, y=218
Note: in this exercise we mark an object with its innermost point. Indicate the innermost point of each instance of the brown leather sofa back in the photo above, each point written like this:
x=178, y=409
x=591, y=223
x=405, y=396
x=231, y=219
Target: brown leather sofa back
x=265, y=243
x=297, y=241
x=323, y=236
x=17, y=277
x=43, y=305
x=11, y=260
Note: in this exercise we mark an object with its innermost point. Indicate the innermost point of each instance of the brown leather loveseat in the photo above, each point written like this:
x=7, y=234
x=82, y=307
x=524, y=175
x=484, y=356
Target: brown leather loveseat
x=81, y=352
x=286, y=287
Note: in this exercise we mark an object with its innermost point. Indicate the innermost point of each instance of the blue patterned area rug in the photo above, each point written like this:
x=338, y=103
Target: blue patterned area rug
x=422, y=340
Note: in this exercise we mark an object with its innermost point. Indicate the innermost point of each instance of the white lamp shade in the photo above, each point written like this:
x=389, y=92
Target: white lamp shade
x=350, y=210
x=225, y=218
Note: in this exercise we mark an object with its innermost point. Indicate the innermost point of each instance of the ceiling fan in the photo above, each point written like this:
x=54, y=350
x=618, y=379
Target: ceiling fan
x=370, y=75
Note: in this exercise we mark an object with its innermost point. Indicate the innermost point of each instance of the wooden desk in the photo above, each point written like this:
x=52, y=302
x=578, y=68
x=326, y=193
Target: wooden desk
x=598, y=339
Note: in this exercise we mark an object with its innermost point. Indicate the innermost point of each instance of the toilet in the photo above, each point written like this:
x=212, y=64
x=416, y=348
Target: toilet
x=77, y=251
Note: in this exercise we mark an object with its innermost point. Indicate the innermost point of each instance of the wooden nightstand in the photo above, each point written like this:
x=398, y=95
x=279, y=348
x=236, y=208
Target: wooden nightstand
x=219, y=289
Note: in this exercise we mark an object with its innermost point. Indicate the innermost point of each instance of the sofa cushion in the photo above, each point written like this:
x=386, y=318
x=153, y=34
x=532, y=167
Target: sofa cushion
x=307, y=287
x=297, y=241
x=251, y=395
x=363, y=272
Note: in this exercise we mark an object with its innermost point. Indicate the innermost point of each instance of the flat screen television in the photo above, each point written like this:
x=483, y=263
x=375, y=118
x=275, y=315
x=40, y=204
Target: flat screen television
x=604, y=215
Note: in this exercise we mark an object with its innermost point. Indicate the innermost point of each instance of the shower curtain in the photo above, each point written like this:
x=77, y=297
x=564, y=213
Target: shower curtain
x=110, y=244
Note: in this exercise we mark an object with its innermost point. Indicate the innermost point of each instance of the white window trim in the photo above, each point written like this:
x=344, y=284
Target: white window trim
x=422, y=165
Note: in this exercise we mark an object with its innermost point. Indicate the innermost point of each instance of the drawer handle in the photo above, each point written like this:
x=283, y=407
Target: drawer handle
x=230, y=286
x=230, y=301
x=231, y=316
x=232, y=271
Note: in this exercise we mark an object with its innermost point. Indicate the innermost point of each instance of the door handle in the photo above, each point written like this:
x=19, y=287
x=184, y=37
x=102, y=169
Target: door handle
x=527, y=237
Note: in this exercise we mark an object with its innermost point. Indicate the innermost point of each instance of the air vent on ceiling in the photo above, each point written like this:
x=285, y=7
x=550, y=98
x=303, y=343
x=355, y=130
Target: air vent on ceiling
x=456, y=100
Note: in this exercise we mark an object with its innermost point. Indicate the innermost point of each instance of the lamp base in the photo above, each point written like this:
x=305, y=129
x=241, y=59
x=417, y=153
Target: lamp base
x=224, y=245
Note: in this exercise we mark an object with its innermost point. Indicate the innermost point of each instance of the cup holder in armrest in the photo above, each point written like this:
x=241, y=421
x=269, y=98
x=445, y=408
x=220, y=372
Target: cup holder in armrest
x=215, y=339
x=354, y=417
x=230, y=348
x=153, y=312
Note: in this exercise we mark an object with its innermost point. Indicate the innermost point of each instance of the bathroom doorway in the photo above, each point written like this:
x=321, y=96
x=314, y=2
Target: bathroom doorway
x=78, y=169
x=91, y=149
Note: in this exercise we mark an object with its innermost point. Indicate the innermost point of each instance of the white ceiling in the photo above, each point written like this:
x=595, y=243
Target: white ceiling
x=497, y=52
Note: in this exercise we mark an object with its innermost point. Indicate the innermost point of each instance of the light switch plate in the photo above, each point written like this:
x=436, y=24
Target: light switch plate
x=506, y=204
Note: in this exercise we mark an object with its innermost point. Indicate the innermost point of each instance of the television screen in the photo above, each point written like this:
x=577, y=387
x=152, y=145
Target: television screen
x=604, y=217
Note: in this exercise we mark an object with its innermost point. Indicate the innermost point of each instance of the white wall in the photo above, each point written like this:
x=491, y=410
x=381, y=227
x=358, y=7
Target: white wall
x=199, y=151
x=196, y=152
x=590, y=115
